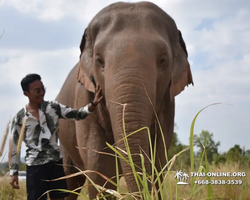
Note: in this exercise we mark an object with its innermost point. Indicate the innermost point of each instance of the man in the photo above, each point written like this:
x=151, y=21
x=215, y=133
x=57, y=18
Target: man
x=43, y=158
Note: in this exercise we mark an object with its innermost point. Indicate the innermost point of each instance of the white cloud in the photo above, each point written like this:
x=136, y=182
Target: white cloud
x=57, y=9
x=52, y=66
x=49, y=63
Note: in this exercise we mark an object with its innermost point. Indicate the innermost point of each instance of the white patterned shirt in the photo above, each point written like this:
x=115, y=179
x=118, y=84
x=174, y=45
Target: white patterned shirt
x=41, y=136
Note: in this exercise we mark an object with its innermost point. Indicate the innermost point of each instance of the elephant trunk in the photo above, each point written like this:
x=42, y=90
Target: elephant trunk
x=128, y=90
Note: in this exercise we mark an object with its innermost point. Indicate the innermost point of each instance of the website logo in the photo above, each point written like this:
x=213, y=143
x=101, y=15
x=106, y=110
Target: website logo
x=181, y=177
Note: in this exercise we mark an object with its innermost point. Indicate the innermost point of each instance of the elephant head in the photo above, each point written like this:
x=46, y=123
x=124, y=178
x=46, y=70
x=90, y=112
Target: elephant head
x=135, y=52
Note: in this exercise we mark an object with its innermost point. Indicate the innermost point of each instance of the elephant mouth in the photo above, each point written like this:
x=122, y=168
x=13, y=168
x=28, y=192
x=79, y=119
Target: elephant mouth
x=92, y=80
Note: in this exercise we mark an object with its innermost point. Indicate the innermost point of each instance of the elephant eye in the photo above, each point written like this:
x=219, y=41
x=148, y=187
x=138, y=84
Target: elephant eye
x=100, y=62
x=162, y=62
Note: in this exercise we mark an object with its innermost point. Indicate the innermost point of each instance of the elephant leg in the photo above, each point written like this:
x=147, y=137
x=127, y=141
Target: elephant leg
x=74, y=182
x=95, y=161
x=107, y=167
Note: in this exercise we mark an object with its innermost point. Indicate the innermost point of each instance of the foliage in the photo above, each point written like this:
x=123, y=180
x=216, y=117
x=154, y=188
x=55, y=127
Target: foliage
x=179, y=157
x=219, y=159
x=205, y=141
x=234, y=154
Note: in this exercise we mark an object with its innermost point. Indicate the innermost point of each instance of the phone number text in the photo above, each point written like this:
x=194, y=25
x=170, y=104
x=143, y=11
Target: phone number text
x=219, y=182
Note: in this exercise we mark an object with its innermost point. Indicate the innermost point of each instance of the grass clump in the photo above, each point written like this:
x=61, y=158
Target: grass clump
x=8, y=193
x=168, y=187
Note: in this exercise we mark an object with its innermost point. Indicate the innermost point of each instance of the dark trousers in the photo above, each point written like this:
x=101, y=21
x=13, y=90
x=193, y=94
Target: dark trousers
x=37, y=181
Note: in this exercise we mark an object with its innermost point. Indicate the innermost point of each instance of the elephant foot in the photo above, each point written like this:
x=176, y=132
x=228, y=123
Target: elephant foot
x=74, y=183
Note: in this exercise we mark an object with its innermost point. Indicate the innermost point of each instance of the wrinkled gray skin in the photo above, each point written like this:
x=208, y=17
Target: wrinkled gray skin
x=128, y=48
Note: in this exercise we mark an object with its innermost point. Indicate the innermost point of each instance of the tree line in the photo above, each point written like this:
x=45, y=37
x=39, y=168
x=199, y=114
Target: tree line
x=207, y=147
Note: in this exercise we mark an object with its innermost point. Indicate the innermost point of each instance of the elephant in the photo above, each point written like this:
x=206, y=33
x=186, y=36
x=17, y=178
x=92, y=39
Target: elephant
x=136, y=54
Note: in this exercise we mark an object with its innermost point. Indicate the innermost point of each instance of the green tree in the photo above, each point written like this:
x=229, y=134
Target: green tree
x=205, y=139
x=219, y=159
x=234, y=154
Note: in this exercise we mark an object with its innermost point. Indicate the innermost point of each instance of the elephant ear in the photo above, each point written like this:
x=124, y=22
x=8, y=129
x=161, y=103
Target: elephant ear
x=84, y=75
x=181, y=74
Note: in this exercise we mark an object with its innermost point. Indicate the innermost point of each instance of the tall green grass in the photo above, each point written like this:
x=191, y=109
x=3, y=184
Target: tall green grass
x=168, y=189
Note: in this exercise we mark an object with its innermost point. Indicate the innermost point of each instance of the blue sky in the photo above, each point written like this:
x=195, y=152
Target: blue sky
x=43, y=36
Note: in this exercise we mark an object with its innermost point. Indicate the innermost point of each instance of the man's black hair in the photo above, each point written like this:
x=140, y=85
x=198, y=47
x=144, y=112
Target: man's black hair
x=28, y=79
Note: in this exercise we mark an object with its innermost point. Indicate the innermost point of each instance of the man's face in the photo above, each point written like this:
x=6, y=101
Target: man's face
x=36, y=92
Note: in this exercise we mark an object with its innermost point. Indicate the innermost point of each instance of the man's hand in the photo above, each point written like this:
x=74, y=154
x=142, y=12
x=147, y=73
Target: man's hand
x=14, y=182
x=97, y=99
